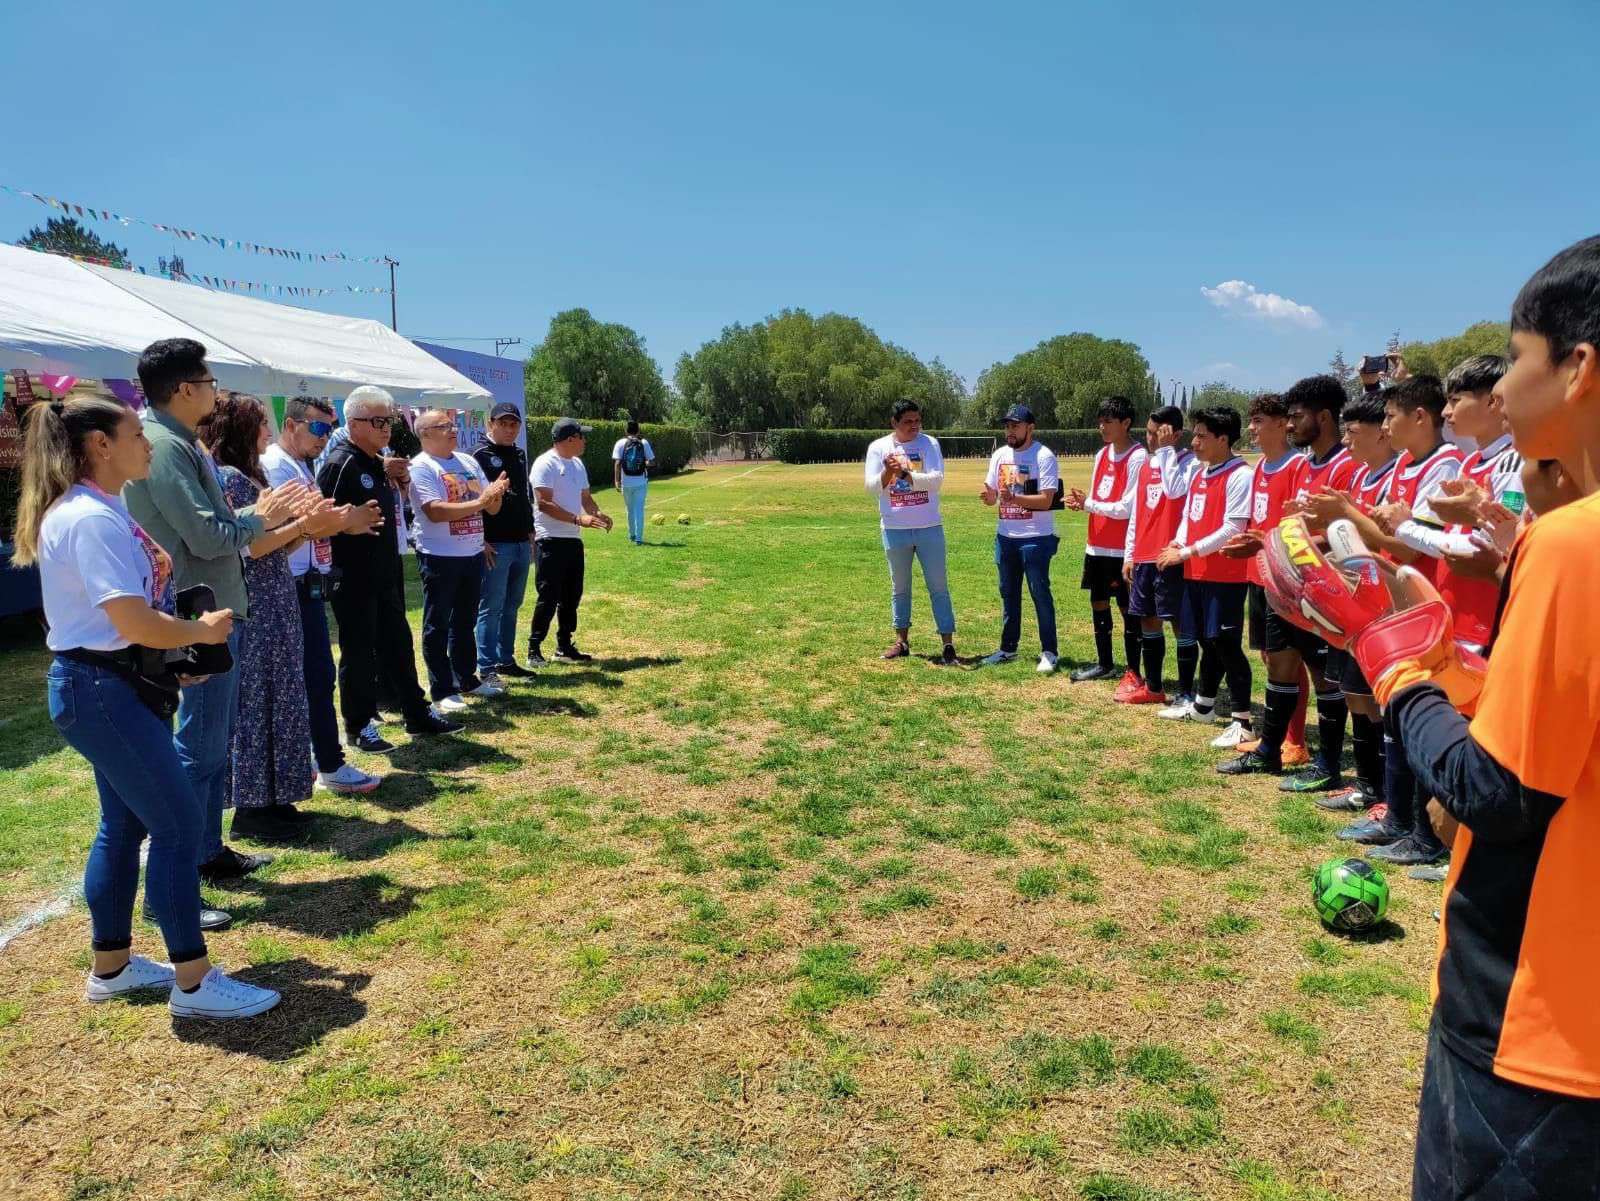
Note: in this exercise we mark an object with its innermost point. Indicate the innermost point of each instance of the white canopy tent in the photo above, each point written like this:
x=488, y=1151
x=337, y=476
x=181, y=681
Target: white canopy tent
x=62, y=317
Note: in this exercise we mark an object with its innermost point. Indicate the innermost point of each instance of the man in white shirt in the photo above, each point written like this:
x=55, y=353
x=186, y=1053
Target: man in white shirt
x=562, y=510
x=308, y=422
x=1023, y=480
x=631, y=460
x=905, y=471
x=449, y=497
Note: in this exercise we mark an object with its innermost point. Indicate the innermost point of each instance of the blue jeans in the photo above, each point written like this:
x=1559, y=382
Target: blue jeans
x=926, y=545
x=206, y=714
x=320, y=676
x=633, y=497
x=1030, y=557
x=503, y=587
x=143, y=790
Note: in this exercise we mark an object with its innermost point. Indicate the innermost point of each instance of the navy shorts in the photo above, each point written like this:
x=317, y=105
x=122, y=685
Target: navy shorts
x=1102, y=578
x=1280, y=635
x=1156, y=593
x=1212, y=607
x=1342, y=666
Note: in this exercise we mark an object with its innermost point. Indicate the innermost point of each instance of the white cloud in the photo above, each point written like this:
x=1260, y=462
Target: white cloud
x=1218, y=370
x=1236, y=296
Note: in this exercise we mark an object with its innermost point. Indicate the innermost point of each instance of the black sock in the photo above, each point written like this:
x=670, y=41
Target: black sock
x=1131, y=641
x=1188, y=659
x=1366, y=740
x=1210, y=671
x=1331, y=711
x=1399, y=785
x=1102, y=636
x=1155, y=654
x=1235, y=669
x=1276, y=714
x=111, y=975
x=195, y=989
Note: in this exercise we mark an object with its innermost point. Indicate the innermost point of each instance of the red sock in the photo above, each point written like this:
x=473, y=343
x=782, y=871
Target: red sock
x=1297, y=723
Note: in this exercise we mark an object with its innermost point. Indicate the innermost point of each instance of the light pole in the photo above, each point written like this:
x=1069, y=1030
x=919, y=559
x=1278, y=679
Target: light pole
x=394, y=318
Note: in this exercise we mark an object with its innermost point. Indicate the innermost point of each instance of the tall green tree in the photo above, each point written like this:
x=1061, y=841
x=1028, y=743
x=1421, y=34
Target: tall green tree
x=589, y=368
x=65, y=235
x=1063, y=380
x=1220, y=392
x=1439, y=356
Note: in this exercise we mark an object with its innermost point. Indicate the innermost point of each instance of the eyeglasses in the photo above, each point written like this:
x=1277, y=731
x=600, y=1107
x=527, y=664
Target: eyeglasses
x=207, y=379
x=381, y=423
x=320, y=429
x=438, y=429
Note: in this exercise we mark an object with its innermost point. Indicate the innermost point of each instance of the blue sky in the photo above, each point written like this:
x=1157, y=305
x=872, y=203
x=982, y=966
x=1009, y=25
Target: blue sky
x=968, y=179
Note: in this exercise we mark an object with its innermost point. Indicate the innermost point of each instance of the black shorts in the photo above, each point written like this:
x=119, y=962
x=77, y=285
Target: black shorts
x=1211, y=608
x=1342, y=666
x=1280, y=635
x=1257, y=609
x=1156, y=593
x=1102, y=579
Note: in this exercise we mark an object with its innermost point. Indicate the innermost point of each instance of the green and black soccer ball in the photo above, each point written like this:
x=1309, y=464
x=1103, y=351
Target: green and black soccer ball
x=1350, y=895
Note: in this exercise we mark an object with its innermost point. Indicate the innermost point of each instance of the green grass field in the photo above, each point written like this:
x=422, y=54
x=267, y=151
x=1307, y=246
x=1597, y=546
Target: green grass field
x=739, y=911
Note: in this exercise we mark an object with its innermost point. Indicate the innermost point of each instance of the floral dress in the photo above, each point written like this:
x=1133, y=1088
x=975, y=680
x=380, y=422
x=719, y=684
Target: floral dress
x=271, y=760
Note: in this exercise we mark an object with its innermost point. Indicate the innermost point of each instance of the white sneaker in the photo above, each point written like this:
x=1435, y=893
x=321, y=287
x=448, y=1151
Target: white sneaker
x=348, y=779
x=140, y=973
x=1047, y=663
x=999, y=657
x=1183, y=710
x=221, y=998
x=1231, y=737
x=489, y=688
x=451, y=704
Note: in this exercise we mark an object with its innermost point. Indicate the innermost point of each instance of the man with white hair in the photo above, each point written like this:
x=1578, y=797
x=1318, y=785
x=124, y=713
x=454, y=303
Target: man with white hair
x=370, y=601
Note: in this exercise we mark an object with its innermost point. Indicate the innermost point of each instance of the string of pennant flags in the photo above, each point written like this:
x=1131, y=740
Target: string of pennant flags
x=102, y=214
x=234, y=285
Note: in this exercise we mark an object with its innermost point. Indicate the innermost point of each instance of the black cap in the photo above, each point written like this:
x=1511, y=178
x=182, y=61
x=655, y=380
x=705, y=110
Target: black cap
x=567, y=427
x=1019, y=413
x=504, y=408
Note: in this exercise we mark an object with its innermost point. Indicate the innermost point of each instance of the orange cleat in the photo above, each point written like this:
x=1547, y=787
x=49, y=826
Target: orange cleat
x=1295, y=755
x=1145, y=697
x=1130, y=683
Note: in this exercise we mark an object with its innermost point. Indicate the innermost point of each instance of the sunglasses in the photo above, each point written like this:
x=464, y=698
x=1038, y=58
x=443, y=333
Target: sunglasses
x=320, y=429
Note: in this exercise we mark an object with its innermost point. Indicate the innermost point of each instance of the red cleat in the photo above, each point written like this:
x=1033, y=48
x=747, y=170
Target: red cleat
x=1145, y=697
x=1130, y=683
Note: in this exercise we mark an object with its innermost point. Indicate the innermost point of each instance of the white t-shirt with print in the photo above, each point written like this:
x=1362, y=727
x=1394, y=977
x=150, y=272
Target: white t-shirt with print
x=454, y=478
x=1007, y=466
x=90, y=553
x=907, y=504
x=280, y=467
x=633, y=481
x=567, y=480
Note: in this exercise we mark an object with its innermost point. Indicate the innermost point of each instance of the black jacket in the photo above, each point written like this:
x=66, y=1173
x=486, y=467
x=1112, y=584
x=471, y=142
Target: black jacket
x=352, y=477
x=514, y=521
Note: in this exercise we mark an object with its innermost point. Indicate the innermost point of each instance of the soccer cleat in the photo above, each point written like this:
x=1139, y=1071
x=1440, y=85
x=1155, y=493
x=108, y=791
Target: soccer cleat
x=1095, y=671
x=511, y=671
x=571, y=654
x=229, y=864
x=1370, y=832
x=454, y=703
x=1047, y=663
x=1346, y=800
x=1130, y=683
x=947, y=657
x=220, y=998
x=898, y=651
x=1431, y=873
x=1145, y=697
x=1182, y=709
x=1410, y=851
x=1295, y=754
x=139, y=973
x=995, y=658
x=1249, y=763
x=1230, y=738
x=488, y=688
x=347, y=780
x=1313, y=779
x=434, y=722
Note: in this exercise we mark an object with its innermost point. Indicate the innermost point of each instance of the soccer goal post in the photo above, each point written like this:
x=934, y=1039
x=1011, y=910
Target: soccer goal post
x=967, y=446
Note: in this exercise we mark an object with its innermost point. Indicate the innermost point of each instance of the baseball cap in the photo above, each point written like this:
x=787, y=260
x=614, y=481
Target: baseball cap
x=1019, y=413
x=566, y=428
x=504, y=408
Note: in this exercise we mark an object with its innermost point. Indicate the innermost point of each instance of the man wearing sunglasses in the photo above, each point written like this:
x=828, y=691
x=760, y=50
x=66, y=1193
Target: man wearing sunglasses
x=370, y=603
x=308, y=421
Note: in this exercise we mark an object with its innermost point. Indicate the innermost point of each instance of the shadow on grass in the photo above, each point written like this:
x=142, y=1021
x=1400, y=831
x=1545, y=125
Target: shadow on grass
x=451, y=754
x=568, y=677
x=400, y=791
x=358, y=838
x=316, y=1001
x=635, y=662
x=326, y=908
x=1387, y=930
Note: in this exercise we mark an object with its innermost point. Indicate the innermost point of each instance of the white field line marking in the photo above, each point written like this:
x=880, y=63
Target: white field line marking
x=49, y=911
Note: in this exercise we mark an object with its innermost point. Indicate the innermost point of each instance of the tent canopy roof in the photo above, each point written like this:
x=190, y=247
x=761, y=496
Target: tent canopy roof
x=58, y=315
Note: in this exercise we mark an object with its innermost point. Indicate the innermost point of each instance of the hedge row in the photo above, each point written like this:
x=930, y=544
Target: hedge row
x=673, y=444
x=843, y=446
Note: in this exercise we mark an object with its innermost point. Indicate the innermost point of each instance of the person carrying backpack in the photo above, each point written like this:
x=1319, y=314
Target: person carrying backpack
x=631, y=460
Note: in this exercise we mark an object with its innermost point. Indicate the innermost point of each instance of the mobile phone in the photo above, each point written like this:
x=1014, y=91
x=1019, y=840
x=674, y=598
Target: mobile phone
x=1374, y=364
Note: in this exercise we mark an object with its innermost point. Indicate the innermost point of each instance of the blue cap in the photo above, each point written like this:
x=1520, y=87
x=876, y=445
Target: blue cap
x=1019, y=413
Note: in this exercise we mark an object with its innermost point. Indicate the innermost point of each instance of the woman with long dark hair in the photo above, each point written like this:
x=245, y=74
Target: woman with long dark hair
x=108, y=601
x=270, y=763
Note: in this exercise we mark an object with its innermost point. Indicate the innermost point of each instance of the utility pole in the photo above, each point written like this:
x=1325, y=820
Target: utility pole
x=500, y=345
x=394, y=318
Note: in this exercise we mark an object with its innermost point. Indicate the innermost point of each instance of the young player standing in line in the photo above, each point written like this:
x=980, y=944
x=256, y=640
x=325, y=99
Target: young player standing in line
x=1156, y=595
x=1113, y=492
x=1313, y=406
x=1215, y=586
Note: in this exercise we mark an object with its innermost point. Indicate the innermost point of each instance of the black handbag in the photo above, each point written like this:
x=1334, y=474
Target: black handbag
x=145, y=671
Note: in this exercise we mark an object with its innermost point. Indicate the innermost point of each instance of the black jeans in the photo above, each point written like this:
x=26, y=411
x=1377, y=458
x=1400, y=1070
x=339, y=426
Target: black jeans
x=374, y=640
x=558, y=579
x=1482, y=1137
x=320, y=677
x=451, y=585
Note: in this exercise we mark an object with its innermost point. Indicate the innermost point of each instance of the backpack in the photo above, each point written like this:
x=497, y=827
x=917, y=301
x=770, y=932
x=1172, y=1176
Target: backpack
x=634, y=461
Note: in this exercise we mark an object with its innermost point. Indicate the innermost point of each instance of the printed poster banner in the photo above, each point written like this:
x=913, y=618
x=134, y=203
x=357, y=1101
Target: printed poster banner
x=503, y=379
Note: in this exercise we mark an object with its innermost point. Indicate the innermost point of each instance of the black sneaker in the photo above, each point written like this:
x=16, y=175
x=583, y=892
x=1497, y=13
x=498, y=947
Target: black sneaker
x=271, y=823
x=1248, y=764
x=535, y=659
x=948, y=656
x=1369, y=833
x=1095, y=671
x=372, y=742
x=210, y=919
x=231, y=865
x=1310, y=779
x=511, y=671
x=571, y=654
x=1410, y=851
x=433, y=723
x=1348, y=800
